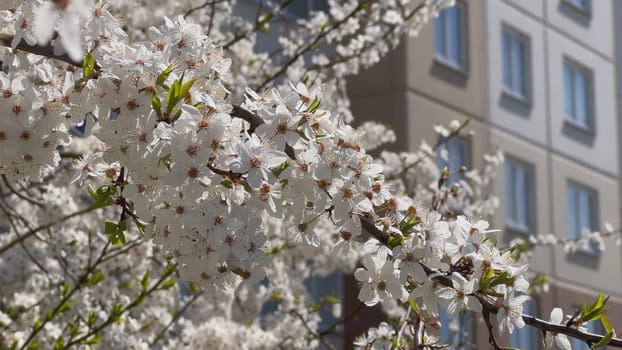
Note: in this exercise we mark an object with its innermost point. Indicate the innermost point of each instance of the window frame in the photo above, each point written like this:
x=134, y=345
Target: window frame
x=461, y=63
x=516, y=36
x=593, y=214
x=585, y=10
x=527, y=227
x=573, y=119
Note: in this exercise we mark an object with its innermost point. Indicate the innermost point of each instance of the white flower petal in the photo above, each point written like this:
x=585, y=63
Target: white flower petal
x=562, y=342
x=45, y=21
x=473, y=304
x=557, y=315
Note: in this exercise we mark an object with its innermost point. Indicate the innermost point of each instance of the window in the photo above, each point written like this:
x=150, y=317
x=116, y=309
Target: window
x=526, y=338
x=577, y=95
x=581, y=5
x=454, y=154
x=303, y=8
x=456, y=331
x=320, y=287
x=449, y=36
x=519, y=192
x=515, y=47
x=582, y=212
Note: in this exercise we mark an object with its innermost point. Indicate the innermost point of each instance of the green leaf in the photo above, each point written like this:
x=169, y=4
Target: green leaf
x=176, y=93
x=92, y=318
x=66, y=306
x=331, y=299
x=95, y=278
x=594, y=311
x=66, y=288
x=116, y=232
x=502, y=278
x=394, y=241
x=170, y=267
x=162, y=76
x=115, y=314
x=194, y=287
x=604, y=341
x=413, y=305
x=123, y=225
x=156, y=104
x=34, y=345
x=102, y=197
x=315, y=307
x=88, y=65
x=141, y=227
x=168, y=284
x=277, y=171
x=408, y=224
x=96, y=339
x=185, y=88
x=37, y=325
x=314, y=105
x=606, y=324
x=118, y=239
x=74, y=330
x=59, y=344
x=144, y=282
x=110, y=228
x=172, y=97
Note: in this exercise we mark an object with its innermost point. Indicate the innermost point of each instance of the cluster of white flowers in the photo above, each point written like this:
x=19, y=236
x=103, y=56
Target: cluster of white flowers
x=192, y=162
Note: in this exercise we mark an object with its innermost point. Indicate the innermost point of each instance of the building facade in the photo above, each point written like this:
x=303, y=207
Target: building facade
x=537, y=79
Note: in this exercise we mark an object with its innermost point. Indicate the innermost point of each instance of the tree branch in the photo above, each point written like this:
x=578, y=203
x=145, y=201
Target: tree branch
x=47, y=50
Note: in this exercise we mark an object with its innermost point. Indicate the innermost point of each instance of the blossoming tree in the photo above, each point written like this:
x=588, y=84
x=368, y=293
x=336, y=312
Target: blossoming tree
x=169, y=180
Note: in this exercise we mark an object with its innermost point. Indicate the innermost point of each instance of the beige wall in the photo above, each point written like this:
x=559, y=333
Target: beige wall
x=594, y=30
x=464, y=91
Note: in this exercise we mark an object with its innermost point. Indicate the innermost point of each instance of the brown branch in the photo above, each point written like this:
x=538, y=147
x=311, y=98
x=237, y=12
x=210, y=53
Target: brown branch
x=589, y=338
x=255, y=121
x=202, y=6
x=42, y=50
x=224, y=173
x=491, y=334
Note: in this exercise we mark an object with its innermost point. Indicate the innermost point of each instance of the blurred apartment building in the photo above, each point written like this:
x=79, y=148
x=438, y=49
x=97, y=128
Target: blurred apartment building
x=538, y=80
